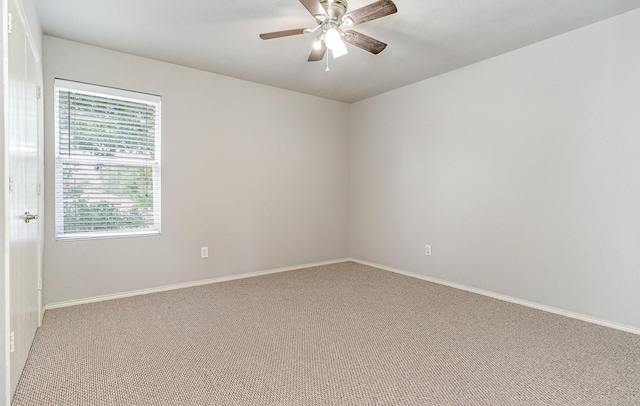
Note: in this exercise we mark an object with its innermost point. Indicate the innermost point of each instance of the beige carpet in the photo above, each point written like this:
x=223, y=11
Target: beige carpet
x=342, y=334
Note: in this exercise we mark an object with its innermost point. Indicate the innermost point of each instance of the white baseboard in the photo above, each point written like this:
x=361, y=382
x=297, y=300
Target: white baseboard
x=383, y=267
x=505, y=298
x=103, y=298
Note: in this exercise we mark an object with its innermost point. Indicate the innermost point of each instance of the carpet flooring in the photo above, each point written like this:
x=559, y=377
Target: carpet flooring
x=343, y=334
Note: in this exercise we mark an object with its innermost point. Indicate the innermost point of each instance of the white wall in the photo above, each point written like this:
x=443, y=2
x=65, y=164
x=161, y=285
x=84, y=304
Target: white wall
x=522, y=171
x=248, y=170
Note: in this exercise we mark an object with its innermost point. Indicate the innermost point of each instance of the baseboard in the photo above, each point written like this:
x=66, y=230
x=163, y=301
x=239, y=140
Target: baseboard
x=103, y=298
x=505, y=298
x=493, y=295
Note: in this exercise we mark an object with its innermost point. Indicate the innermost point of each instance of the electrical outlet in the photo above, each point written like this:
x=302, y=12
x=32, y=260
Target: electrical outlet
x=427, y=250
x=204, y=252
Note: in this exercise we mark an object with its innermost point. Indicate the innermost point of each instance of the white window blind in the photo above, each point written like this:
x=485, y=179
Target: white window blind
x=107, y=162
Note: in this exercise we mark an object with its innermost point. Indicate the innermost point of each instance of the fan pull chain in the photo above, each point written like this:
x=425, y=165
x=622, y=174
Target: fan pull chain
x=328, y=57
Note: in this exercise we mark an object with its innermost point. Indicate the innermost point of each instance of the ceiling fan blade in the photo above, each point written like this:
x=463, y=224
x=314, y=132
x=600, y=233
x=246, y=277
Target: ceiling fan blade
x=371, y=12
x=279, y=34
x=365, y=42
x=317, y=54
x=314, y=7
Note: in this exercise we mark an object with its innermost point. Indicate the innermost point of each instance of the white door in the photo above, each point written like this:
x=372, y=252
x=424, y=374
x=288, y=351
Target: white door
x=22, y=155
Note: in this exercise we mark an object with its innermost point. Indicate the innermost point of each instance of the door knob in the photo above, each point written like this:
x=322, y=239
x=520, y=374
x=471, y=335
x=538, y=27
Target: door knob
x=28, y=217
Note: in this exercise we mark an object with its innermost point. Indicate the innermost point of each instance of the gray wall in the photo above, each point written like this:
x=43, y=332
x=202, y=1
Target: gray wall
x=248, y=170
x=522, y=172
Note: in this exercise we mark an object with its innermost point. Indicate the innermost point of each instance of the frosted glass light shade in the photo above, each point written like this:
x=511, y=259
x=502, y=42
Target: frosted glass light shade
x=339, y=50
x=334, y=42
x=332, y=38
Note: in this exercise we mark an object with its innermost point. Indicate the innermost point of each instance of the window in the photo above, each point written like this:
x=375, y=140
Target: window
x=107, y=157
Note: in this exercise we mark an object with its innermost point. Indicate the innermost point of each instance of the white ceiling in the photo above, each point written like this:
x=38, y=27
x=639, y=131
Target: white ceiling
x=425, y=38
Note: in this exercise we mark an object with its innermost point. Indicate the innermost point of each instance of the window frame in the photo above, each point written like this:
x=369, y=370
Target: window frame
x=60, y=160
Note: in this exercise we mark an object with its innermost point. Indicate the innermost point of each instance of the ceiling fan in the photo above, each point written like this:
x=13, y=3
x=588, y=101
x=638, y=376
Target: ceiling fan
x=332, y=20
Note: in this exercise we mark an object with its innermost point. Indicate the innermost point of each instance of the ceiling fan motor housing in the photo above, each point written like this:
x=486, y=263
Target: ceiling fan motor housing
x=335, y=10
